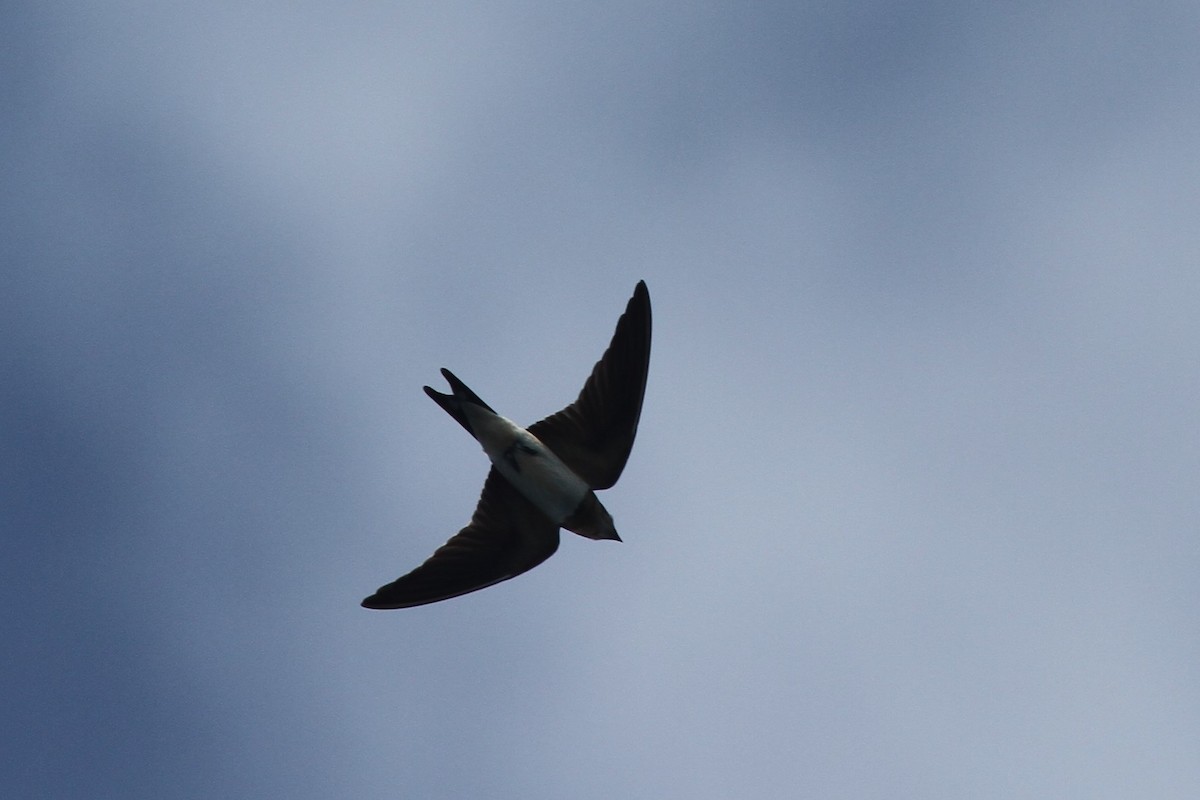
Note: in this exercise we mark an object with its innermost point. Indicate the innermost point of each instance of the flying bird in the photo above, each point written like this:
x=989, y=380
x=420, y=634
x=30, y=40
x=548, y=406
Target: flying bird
x=543, y=477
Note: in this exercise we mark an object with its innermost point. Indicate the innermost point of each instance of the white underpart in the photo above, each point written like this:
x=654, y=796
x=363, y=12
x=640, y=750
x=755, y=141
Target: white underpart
x=541, y=475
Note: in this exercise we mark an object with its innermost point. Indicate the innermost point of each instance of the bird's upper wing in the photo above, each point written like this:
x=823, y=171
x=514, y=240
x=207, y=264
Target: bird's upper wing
x=507, y=535
x=594, y=435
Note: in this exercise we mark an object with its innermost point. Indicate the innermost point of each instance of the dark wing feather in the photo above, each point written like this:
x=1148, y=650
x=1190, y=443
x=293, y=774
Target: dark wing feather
x=594, y=435
x=508, y=535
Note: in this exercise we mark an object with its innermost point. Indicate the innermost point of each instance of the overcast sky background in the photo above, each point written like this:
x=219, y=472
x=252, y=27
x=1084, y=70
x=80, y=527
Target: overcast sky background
x=913, y=509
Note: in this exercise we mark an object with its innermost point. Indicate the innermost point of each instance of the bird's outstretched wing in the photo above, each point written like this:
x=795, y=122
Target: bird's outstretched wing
x=594, y=435
x=507, y=535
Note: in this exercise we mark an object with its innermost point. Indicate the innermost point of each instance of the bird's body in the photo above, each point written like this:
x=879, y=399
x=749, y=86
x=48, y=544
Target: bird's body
x=543, y=477
x=536, y=472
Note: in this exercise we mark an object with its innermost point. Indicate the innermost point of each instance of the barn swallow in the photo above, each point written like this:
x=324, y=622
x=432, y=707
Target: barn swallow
x=543, y=477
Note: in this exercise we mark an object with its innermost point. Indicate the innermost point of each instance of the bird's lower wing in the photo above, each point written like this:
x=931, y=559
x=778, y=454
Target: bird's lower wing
x=507, y=535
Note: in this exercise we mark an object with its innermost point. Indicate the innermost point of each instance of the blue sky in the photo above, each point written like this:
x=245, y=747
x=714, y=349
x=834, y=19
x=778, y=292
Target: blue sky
x=913, y=509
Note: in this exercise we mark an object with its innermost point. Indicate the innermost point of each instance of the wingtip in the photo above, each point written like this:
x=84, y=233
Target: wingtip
x=377, y=603
x=641, y=297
